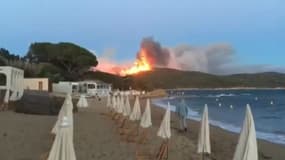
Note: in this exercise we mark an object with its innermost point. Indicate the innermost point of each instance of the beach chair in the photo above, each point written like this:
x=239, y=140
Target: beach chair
x=130, y=134
x=115, y=116
x=122, y=123
x=145, y=154
x=140, y=138
x=109, y=113
x=119, y=120
x=126, y=126
x=143, y=137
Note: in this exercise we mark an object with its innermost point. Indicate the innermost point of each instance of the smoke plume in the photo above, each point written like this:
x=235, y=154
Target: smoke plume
x=210, y=59
x=216, y=59
x=156, y=55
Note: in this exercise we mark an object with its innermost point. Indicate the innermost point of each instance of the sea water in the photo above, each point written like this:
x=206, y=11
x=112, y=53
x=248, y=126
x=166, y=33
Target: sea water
x=227, y=109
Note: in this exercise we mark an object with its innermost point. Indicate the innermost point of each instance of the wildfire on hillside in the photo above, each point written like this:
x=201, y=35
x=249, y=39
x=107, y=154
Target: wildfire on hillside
x=149, y=56
x=141, y=64
x=210, y=59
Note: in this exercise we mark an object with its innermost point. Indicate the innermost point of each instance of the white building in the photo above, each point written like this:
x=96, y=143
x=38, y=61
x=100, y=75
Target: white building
x=13, y=83
x=40, y=84
x=88, y=87
x=95, y=87
x=65, y=87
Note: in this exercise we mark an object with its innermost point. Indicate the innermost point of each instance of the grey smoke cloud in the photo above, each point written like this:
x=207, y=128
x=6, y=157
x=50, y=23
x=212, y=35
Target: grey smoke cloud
x=217, y=58
x=158, y=55
x=214, y=59
x=210, y=59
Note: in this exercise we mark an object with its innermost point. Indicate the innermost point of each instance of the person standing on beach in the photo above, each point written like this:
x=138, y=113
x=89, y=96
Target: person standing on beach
x=182, y=112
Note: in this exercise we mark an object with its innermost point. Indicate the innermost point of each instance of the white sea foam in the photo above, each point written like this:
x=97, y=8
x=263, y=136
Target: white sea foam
x=221, y=95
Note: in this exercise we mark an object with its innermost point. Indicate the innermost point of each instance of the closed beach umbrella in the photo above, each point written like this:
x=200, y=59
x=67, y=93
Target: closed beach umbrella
x=63, y=147
x=127, y=110
x=69, y=113
x=114, y=103
x=109, y=101
x=247, y=145
x=204, y=145
x=120, y=105
x=7, y=96
x=14, y=97
x=66, y=110
x=82, y=102
x=136, y=113
x=164, y=129
x=146, y=117
x=60, y=115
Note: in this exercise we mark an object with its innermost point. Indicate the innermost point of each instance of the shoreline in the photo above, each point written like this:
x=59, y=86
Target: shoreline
x=224, y=142
x=222, y=126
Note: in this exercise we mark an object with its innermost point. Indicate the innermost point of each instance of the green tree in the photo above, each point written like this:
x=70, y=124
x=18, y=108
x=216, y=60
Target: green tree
x=70, y=58
x=8, y=56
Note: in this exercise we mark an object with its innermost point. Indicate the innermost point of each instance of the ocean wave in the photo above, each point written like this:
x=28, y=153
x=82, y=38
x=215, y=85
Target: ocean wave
x=246, y=94
x=271, y=137
x=162, y=104
x=191, y=96
x=191, y=113
x=221, y=95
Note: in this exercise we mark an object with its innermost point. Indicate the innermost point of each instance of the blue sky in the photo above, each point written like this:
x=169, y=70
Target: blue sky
x=255, y=28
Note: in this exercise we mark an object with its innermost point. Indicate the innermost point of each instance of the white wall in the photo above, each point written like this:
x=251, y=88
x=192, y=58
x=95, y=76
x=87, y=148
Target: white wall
x=62, y=88
x=34, y=84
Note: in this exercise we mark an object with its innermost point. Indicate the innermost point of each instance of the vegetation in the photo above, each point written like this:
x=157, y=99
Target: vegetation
x=170, y=78
x=163, y=78
x=67, y=61
x=62, y=61
x=67, y=57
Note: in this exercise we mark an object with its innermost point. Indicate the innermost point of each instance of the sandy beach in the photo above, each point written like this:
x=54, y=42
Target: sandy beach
x=27, y=137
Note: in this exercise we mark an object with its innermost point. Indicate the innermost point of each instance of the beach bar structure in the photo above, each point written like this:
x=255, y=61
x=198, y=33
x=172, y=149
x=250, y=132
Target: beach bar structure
x=38, y=84
x=65, y=87
x=12, y=83
x=88, y=87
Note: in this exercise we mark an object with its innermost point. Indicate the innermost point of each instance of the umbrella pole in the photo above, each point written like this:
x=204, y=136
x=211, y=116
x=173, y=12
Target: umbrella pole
x=167, y=149
x=203, y=154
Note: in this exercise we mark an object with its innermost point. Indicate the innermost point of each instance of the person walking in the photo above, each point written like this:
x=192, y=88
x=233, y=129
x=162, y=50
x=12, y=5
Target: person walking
x=182, y=112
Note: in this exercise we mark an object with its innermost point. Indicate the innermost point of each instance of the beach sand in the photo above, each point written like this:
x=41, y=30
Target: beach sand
x=26, y=137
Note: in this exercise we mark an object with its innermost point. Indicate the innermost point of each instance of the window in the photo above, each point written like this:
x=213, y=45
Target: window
x=91, y=86
x=74, y=87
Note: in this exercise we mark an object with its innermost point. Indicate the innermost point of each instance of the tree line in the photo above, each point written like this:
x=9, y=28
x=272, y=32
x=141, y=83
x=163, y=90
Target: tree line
x=60, y=61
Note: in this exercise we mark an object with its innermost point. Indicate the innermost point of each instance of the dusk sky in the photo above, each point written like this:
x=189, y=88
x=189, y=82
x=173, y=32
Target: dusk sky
x=255, y=29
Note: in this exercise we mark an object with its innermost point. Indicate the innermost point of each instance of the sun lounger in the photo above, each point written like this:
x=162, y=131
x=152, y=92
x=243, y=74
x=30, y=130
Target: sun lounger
x=145, y=153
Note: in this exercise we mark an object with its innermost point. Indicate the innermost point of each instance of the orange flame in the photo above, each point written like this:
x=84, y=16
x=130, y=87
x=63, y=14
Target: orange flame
x=141, y=64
